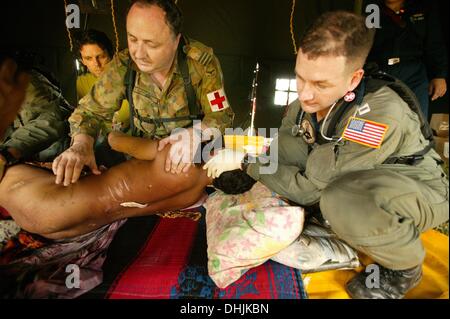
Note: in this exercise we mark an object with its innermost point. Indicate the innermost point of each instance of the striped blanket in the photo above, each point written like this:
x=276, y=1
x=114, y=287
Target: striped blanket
x=152, y=257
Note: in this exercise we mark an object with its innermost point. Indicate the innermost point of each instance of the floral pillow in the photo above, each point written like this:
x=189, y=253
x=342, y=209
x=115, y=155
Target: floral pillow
x=245, y=230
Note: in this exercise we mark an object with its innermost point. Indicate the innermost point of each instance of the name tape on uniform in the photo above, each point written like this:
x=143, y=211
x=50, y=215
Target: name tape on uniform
x=365, y=132
x=364, y=109
x=218, y=100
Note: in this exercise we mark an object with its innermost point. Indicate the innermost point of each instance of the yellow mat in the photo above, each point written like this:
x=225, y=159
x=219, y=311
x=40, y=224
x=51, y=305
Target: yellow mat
x=331, y=284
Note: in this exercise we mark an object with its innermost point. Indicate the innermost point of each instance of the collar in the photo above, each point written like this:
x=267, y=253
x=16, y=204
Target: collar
x=174, y=68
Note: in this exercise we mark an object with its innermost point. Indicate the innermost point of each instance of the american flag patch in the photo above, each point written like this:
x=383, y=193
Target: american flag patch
x=365, y=132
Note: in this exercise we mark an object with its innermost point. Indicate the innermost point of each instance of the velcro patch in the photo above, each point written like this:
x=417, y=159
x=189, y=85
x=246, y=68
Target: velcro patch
x=365, y=132
x=364, y=109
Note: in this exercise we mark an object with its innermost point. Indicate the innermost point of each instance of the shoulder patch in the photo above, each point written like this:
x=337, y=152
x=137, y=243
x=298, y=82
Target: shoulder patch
x=364, y=109
x=364, y=132
x=203, y=55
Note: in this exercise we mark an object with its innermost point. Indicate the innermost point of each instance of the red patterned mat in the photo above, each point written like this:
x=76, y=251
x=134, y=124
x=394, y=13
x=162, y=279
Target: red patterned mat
x=172, y=264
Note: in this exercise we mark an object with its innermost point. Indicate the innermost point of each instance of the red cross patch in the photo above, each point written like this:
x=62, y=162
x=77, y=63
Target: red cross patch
x=218, y=100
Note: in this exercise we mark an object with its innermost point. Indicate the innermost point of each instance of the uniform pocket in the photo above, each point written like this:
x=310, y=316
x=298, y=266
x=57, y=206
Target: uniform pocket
x=321, y=165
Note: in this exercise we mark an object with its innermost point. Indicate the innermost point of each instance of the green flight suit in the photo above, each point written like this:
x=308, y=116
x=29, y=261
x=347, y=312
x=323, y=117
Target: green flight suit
x=95, y=111
x=41, y=124
x=379, y=209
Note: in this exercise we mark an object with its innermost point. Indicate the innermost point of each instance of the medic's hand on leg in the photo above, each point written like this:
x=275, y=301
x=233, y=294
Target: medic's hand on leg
x=183, y=143
x=225, y=160
x=68, y=166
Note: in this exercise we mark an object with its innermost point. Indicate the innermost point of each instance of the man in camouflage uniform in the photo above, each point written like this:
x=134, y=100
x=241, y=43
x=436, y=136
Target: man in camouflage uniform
x=153, y=30
x=40, y=128
x=373, y=175
x=13, y=85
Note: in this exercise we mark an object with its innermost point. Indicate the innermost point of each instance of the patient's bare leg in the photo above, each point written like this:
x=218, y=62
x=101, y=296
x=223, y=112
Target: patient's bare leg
x=40, y=206
x=176, y=202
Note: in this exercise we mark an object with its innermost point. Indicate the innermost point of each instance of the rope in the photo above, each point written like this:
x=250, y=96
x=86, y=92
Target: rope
x=115, y=25
x=195, y=216
x=357, y=8
x=292, y=27
x=68, y=31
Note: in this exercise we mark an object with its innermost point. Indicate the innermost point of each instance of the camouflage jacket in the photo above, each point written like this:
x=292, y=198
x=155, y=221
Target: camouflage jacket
x=41, y=120
x=95, y=111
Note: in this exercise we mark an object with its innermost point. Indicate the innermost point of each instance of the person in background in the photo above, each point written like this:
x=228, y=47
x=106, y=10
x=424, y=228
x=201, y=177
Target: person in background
x=40, y=129
x=95, y=52
x=410, y=46
x=13, y=86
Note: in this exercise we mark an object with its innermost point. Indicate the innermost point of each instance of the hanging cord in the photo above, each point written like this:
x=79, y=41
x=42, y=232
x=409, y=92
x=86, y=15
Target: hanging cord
x=115, y=25
x=292, y=27
x=67, y=28
x=357, y=8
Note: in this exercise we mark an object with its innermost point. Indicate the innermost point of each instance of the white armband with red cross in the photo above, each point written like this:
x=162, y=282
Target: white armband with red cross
x=218, y=101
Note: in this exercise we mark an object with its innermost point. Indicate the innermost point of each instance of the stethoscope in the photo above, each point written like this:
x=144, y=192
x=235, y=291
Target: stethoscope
x=298, y=130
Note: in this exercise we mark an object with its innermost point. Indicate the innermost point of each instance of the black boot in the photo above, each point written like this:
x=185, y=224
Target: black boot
x=392, y=284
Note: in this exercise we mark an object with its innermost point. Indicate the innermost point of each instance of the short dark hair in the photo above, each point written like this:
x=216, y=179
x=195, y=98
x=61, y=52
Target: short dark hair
x=99, y=38
x=25, y=60
x=174, y=17
x=338, y=33
x=234, y=182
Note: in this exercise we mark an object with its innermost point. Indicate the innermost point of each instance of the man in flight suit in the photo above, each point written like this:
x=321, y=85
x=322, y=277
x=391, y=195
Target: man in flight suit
x=360, y=162
x=160, y=92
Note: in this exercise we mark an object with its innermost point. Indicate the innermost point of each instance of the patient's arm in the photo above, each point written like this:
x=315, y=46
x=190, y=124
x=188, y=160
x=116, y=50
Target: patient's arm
x=40, y=206
x=138, y=147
